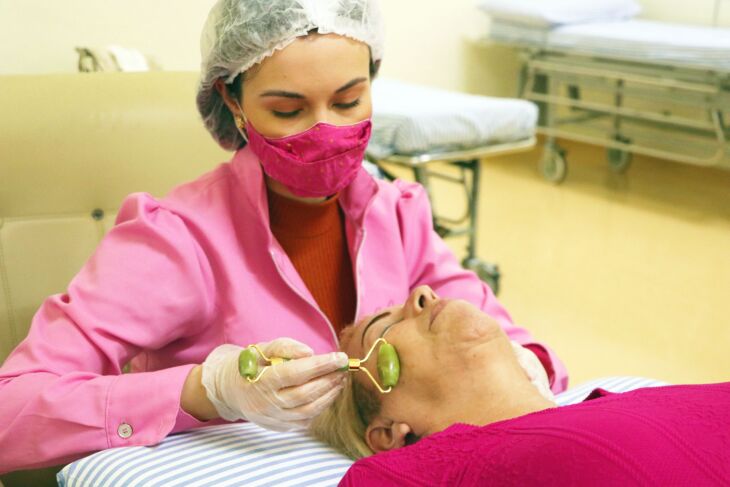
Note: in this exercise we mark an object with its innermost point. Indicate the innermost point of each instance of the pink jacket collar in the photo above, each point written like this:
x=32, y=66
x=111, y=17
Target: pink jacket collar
x=354, y=199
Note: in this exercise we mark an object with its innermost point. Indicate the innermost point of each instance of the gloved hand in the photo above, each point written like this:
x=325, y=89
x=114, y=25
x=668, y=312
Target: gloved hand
x=534, y=370
x=287, y=397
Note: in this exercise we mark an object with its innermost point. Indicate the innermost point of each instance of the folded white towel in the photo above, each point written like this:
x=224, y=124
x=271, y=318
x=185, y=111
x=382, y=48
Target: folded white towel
x=129, y=59
x=550, y=13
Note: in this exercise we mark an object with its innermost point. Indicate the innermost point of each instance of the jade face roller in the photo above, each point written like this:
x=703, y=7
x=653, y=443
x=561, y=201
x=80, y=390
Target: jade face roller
x=388, y=364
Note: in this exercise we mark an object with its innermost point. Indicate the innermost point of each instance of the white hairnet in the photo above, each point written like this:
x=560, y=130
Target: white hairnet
x=241, y=33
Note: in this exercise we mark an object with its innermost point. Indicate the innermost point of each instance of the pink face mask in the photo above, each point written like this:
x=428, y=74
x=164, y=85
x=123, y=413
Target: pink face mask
x=317, y=162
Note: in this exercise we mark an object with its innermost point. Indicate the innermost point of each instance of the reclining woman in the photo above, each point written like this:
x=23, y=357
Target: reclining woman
x=469, y=415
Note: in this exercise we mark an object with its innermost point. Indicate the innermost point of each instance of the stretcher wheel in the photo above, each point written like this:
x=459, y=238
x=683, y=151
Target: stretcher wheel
x=487, y=272
x=619, y=160
x=553, y=165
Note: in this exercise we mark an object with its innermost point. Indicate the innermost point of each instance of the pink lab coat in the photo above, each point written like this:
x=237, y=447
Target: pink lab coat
x=179, y=276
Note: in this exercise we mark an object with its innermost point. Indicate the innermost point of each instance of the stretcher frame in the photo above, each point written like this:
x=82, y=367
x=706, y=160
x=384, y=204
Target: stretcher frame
x=468, y=161
x=555, y=80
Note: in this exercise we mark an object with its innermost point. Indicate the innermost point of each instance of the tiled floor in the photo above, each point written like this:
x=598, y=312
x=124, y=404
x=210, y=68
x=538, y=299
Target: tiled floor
x=620, y=274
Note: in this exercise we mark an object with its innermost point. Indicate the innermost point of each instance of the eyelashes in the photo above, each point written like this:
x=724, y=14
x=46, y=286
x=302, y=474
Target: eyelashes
x=347, y=106
x=294, y=113
x=286, y=114
x=385, y=330
x=388, y=327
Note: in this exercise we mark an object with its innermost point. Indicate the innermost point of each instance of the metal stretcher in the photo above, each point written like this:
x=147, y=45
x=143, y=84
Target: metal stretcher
x=670, y=102
x=463, y=154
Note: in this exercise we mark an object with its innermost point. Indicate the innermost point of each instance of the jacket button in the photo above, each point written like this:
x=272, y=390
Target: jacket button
x=124, y=431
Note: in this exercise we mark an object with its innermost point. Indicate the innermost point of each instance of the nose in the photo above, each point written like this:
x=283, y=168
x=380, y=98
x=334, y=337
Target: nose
x=322, y=114
x=421, y=298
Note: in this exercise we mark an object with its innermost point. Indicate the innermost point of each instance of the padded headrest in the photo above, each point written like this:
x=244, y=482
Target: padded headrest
x=77, y=141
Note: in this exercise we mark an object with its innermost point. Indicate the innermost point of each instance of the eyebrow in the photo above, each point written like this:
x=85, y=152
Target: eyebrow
x=349, y=85
x=381, y=315
x=299, y=96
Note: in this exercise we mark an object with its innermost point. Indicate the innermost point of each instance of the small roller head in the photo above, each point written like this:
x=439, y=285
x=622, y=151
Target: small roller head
x=388, y=365
x=248, y=363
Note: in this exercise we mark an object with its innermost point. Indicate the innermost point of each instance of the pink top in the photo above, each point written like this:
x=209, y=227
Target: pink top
x=179, y=276
x=677, y=435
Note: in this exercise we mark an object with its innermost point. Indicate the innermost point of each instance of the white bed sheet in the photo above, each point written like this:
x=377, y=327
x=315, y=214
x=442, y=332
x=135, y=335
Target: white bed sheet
x=559, y=12
x=414, y=119
x=640, y=40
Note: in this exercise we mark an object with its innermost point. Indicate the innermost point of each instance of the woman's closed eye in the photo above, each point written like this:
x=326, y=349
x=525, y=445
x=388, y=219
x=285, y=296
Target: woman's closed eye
x=294, y=113
x=388, y=326
x=291, y=114
x=347, y=106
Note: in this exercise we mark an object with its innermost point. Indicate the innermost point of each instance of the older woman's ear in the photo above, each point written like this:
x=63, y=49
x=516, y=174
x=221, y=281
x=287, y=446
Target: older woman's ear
x=382, y=435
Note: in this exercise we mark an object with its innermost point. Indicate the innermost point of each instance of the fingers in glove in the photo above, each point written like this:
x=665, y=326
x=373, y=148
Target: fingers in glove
x=291, y=397
x=286, y=348
x=298, y=372
x=313, y=409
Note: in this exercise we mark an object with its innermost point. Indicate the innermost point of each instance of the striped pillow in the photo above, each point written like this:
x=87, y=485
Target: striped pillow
x=244, y=454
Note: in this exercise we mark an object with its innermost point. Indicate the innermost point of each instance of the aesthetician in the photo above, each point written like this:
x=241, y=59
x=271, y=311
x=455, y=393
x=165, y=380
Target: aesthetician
x=281, y=246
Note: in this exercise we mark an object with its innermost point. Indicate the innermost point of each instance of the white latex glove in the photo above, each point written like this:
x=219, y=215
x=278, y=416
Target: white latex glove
x=287, y=397
x=534, y=370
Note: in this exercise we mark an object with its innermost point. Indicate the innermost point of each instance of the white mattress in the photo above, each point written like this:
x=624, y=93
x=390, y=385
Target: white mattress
x=414, y=119
x=558, y=12
x=244, y=454
x=639, y=40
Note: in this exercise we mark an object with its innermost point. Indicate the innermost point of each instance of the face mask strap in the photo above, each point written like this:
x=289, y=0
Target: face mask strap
x=356, y=364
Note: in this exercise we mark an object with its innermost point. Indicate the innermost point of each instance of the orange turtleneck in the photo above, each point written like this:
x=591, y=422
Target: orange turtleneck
x=313, y=236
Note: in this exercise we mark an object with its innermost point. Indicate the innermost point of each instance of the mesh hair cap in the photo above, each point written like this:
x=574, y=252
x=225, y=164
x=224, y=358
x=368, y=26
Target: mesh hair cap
x=241, y=33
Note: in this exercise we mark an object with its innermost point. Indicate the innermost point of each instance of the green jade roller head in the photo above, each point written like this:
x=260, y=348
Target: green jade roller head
x=388, y=364
x=248, y=363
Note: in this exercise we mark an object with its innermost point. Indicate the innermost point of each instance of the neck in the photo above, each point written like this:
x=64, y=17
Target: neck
x=500, y=391
x=281, y=190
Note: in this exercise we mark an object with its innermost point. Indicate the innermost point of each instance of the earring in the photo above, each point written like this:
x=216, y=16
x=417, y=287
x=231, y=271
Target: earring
x=240, y=123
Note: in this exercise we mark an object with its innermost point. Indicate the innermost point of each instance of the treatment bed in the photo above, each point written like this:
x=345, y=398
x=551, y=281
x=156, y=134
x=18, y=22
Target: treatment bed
x=244, y=454
x=417, y=127
x=632, y=86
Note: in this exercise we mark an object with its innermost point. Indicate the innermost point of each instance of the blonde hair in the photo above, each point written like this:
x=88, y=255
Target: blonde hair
x=343, y=424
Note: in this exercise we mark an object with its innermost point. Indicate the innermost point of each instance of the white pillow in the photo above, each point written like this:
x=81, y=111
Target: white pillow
x=550, y=13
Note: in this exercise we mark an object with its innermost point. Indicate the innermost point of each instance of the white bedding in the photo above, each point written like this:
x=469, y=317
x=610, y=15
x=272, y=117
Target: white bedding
x=414, y=119
x=548, y=13
x=244, y=454
x=640, y=40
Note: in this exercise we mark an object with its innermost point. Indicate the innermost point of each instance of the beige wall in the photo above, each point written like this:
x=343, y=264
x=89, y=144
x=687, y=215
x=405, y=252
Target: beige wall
x=428, y=41
x=697, y=12
x=39, y=36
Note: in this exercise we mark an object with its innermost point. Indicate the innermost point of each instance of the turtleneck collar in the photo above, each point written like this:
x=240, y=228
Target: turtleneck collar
x=302, y=220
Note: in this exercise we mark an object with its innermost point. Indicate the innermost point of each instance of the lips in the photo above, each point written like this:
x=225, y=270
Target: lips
x=438, y=307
